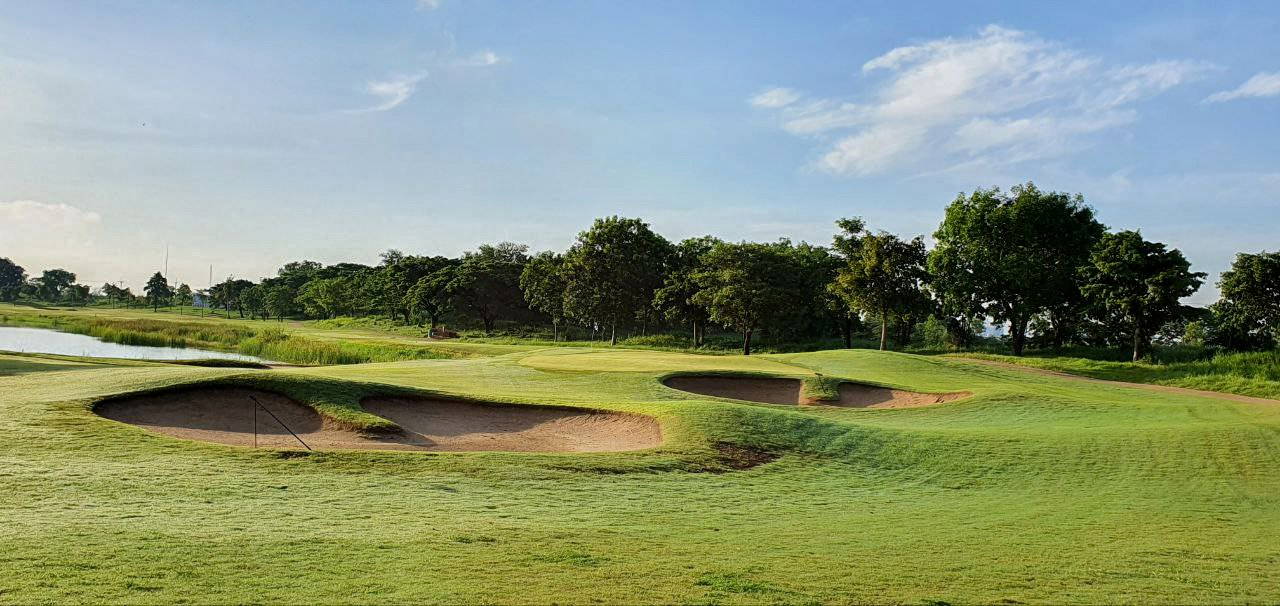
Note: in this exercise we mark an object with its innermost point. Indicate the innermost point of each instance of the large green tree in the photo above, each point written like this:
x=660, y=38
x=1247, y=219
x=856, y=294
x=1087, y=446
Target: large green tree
x=158, y=291
x=883, y=277
x=430, y=297
x=486, y=283
x=612, y=272
x=1252, y=288
x=744, y=285
x=12, y=277
x=325, y=297
x=1012, y=256
x=52, y=282
x=227, y=294
x=543, y=282
x=1140, y=280
x=675, y=298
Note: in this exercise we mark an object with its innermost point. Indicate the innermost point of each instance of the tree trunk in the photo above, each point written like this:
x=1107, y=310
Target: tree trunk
x=1018, y=339
x=555, y=332
x=1139, y=341
x=613, y=333
x=884, y=327
x=846, y=329
x=746, y=342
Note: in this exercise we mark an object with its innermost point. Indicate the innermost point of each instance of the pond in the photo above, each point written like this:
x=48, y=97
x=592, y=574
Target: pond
x=39, y=340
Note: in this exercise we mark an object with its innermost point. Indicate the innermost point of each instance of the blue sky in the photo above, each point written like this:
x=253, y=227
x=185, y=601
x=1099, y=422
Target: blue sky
x=248, y=134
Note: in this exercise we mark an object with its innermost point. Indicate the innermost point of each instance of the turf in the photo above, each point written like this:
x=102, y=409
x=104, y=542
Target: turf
x=1036, y=489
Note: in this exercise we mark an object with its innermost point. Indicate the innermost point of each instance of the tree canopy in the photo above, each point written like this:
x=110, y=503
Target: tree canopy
x=882, y=276
x=1012, y=256
x=1139, y=280
x=158, y=291
x=613, y=270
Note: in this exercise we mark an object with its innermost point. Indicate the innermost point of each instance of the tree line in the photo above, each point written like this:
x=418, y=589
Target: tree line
x=1038, y=263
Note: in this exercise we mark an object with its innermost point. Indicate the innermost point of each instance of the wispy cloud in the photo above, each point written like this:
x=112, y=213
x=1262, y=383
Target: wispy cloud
x=1001, y=96
x=428, y=5
x=1262, y=84
x=775, y=97
x=483, y=58
x=393, y=91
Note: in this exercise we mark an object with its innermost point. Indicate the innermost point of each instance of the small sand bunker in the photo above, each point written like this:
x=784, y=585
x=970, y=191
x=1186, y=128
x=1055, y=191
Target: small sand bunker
x=788, y=391
x=857, y=395
x=247, y=417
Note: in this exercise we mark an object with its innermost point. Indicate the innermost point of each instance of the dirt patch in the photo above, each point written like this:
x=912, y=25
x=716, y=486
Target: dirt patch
x=788, y=391
x=248, y=417
x=752, y=389
x=857, y=395
x=454, y=425
x=738, y=457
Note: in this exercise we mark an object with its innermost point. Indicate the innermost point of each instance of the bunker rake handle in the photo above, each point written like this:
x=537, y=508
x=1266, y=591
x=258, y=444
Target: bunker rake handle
x=273, y=415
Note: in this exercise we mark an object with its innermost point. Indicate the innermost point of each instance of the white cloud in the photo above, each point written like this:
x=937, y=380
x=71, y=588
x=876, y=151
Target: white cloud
x=1002, y=96
x=775, y=97
x=42, y=231
x=428, y=5
x=393, y=92
x=483, y=58
x=1262, y=84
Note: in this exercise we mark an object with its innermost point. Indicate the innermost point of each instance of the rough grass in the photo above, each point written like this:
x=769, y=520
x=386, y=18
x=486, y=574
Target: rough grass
x=1036, y=489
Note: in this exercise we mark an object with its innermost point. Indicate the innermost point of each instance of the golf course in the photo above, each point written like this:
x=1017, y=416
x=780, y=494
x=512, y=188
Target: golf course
x=599, y=475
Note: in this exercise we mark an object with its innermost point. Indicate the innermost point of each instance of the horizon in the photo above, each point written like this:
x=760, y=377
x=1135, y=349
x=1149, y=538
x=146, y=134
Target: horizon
x=247, y=136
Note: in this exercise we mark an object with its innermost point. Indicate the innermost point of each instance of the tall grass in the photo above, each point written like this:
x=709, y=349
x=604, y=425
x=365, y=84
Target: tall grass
x=275, y=344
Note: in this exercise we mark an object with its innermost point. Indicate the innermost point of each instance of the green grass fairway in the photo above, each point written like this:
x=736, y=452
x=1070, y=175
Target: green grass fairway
x=1036, y=489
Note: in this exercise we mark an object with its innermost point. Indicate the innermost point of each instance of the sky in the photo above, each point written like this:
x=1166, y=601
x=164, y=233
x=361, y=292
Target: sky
x=243, y=135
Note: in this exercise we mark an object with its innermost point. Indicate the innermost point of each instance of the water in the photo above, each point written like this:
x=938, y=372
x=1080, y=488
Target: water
x=39, y=340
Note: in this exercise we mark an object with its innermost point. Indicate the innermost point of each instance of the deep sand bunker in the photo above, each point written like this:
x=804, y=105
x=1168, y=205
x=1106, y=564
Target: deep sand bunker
x=788, y=391
x=227, y=416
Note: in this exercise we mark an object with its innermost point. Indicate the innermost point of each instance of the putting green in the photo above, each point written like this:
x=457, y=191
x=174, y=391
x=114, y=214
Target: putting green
x=1035, y=489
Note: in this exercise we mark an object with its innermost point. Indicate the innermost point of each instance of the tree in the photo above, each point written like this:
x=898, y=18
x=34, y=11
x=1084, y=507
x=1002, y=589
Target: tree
x=182, y=295
x=613, y=270
x=226, y=294
x=883, y=278
x=398, y=275
x=487, y=282
x=279, y=300
x=112, y=292
x=254, y=299
x=1252, y=286
x=324, y=298
x=12, y=277
x=431, y=296
x=76, y=294
x=743, y=285
x=543, y=282
x=52, y=282
x=1012, y=257
x=158, y=291
x=1139, y=280
x=675, y=298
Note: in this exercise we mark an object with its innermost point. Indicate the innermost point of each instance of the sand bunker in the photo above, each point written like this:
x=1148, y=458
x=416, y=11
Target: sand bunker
x=231, y=416
x=788, y=391
x=751, y=389
x=454, y=425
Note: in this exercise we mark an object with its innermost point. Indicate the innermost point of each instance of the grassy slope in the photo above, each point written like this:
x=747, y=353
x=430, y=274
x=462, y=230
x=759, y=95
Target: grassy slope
x=1036, y=489
x=1250, y=374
